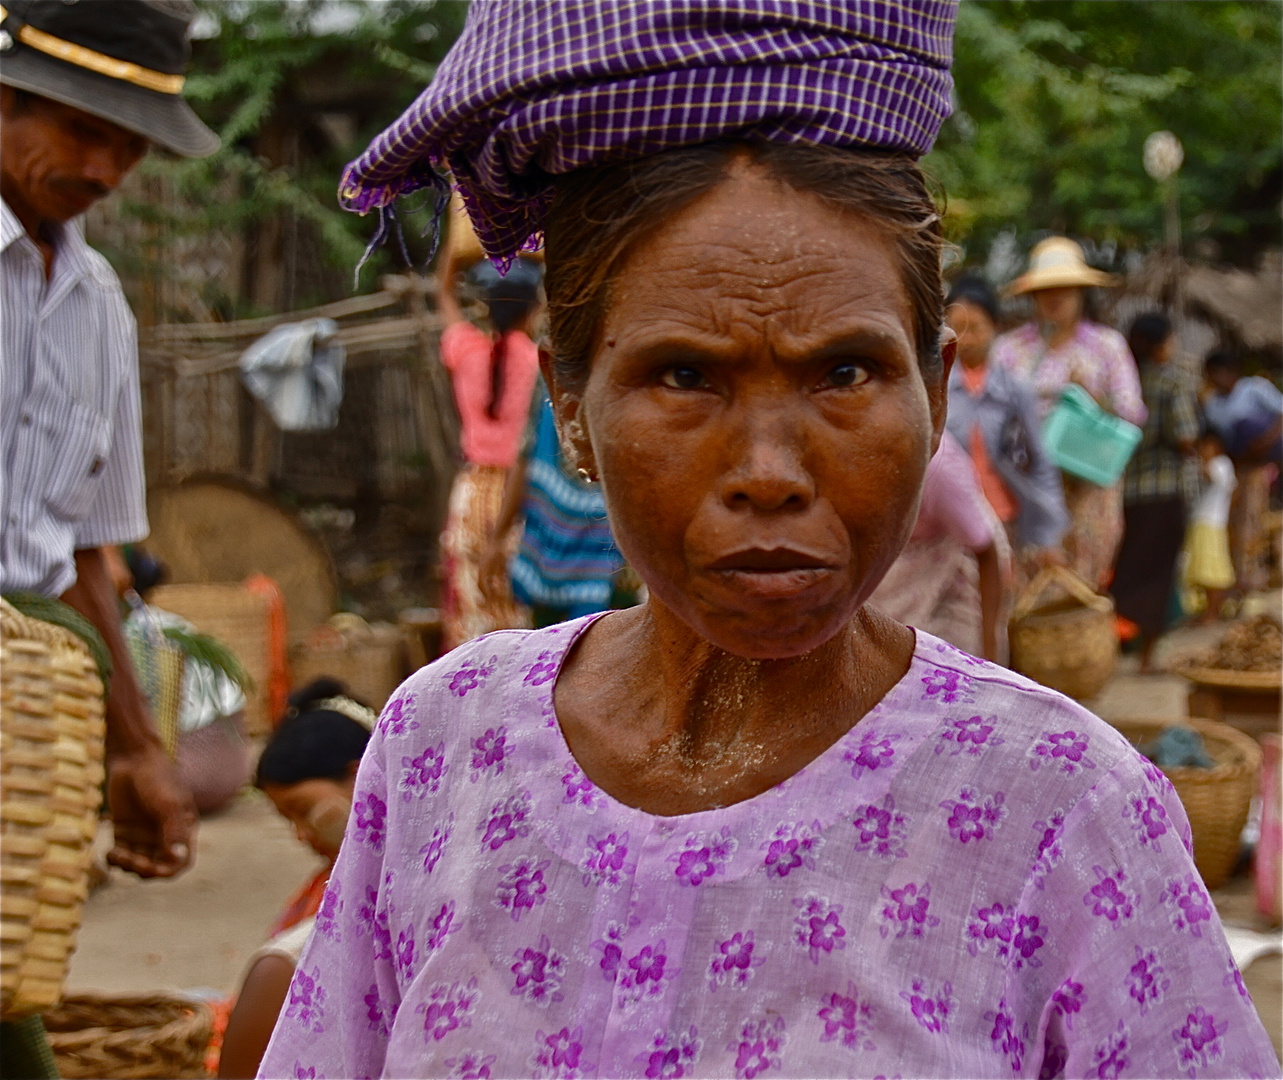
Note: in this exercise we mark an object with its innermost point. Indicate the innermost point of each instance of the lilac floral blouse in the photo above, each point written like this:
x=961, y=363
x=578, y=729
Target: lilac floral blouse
x=980, y=879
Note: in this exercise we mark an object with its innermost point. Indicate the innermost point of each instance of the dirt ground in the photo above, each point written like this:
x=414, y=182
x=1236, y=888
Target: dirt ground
x=195, y=933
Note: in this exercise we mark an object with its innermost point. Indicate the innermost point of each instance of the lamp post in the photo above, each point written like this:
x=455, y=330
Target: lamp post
x=1163, y=157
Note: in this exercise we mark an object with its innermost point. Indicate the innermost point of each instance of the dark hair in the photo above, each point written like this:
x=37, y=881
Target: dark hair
x=1147, y=333
x=972, y=289
x=1223, y=359
x=312, y=744
x=597, y=215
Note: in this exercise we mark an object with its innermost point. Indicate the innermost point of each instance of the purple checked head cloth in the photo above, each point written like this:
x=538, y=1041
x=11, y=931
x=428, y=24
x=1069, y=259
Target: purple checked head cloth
x=537, y=88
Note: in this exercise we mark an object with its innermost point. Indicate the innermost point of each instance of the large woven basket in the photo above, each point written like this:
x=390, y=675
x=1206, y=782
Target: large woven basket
x=1067, y=642
x=51, y=772
x=120, y=1036
x=1216, y=800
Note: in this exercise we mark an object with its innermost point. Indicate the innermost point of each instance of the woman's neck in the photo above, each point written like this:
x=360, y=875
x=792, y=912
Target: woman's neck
x=1057, y=334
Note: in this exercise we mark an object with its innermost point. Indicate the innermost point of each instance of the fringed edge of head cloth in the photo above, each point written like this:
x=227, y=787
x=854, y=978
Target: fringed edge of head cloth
x=535, y=90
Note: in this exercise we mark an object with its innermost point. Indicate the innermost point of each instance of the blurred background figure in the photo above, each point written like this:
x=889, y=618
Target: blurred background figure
x=493, y=375
x=1247, y=416
x=1209, y=571
x=1155, y=486
x=308, y=771
x=951, y=579
x=1062, y=345
x=993, y=415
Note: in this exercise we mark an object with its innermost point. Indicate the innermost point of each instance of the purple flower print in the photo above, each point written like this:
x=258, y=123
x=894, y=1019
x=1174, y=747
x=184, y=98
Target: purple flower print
x=992, y=925
x=605, y=860
x=422, y=775
x=405, y=954
x=309, y=1073
x=543, y=670
x=522, y=887
x=1054, y=1061
x=1234, y=978
x=559, y=1054
x=378, y=1016
x=969, y=735
x=931, y=1008
x=1028, y=940
x=645, y=975
x=373, y=920
x=470, y=1065
x=817, y=927
x=1004, y=1037
x=447, y=1009
x=1188, y=905
x=1068, y=1001
x=435, y=847
x=672, y=1054
x=734, y=961
x=507, y=821
x=1198, y=1041
x=1156, y=777
x=1146, y=982
x=759, y=1047
x=1149, y=819
x=952, y=651
x=1066, y=750
x=703, y=857
x=307, y=1000
x=972, y=817
x=1050, y=851
x=470, y=676
x=881, y=830
x=443, y=925
x=1107, y=899
x=579, y=789
x=370, y=814
x=946, y=686
x=792, y=846
x=396, y=719
x=847, y=1018
x=875, y=751
x=906, y=910
x=488, y=753
x=538, y=973
x=1111, y=1055
x=327, y=915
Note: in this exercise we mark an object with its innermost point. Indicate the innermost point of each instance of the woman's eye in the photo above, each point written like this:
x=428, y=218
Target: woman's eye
x=847, y=375
x=683, y=378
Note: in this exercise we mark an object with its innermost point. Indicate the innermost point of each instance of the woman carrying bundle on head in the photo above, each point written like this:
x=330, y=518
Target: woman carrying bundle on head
x=751, y=827
x=494, y=375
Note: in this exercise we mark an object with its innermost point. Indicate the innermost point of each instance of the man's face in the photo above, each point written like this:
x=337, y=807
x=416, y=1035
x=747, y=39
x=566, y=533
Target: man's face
x=56, y=161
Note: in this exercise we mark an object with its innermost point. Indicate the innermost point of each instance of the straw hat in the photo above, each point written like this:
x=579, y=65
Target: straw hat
x=1056, y=262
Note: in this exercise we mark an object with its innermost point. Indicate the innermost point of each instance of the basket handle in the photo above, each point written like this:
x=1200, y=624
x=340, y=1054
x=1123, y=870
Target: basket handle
x=1075, y=586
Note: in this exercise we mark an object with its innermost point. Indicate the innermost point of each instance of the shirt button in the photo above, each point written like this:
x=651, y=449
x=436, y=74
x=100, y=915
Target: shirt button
x=26, y=419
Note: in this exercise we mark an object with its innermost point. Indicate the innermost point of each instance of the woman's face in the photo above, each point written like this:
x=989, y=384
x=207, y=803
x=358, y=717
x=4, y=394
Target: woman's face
x=1062, y=305
x=975, y=332
x=757, y=417
x=318, y=809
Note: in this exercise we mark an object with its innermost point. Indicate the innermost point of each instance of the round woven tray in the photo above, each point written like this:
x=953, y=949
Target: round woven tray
x=123, y=1036
x=1224, y=678
x=51, y=772
x=1216, y=800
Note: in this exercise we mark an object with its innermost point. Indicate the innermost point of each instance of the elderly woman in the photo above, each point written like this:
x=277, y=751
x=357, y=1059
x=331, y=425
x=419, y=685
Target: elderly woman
x=749, y=828
x=1059, y=346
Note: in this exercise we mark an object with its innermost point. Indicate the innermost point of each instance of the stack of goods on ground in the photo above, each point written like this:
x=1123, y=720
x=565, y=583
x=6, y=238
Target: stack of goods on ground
x=1238, y=682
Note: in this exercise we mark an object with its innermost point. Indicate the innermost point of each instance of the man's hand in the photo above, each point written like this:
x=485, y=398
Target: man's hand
x=152, y=812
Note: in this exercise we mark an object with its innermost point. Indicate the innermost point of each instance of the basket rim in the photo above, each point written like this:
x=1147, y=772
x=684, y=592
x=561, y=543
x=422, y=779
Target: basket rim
x=1222, y=772
x=1230, y=679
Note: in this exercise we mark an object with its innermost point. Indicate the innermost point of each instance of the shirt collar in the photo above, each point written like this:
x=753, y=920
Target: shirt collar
x=71, y=250
x=10, y=227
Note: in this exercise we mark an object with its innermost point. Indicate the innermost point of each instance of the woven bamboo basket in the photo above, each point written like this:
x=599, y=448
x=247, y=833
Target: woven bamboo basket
x=51, y=772
x=239, y=619
x=1216, y=800
x=1067, y=642
x=123, y=1036
x=1228, y=679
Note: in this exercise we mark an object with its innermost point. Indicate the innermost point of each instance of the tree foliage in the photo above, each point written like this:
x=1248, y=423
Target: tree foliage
x=1054, y=102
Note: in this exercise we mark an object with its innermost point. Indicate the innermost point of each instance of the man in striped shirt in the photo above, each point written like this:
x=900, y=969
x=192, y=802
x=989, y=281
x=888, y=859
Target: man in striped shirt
x=85, y=89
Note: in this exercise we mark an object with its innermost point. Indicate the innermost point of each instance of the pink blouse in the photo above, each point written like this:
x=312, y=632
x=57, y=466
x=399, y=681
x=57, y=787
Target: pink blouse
x=1097, y=354
x=465, y=352
x=979, y=879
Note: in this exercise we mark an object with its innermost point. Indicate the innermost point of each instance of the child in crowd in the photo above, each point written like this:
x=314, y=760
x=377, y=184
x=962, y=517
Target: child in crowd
x=308, y=770
x=1208, y=568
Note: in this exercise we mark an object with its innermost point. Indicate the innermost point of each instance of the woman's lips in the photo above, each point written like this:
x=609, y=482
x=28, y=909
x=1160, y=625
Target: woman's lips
x=772, y=574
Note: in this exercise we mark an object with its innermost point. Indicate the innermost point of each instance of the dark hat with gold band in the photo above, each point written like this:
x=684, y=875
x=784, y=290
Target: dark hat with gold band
x=122, y=60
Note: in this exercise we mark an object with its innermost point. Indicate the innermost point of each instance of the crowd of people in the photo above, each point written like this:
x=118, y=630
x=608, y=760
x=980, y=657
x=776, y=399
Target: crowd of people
x=743, y=788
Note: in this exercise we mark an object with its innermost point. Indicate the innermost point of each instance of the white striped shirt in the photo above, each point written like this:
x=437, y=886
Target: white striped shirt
x=70, y=413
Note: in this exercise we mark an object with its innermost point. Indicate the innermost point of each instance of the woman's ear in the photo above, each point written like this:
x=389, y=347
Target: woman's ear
x=567, y=408
x=938, y=392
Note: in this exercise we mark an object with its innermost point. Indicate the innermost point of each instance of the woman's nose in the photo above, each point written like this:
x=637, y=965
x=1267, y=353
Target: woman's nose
x=769, y=473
